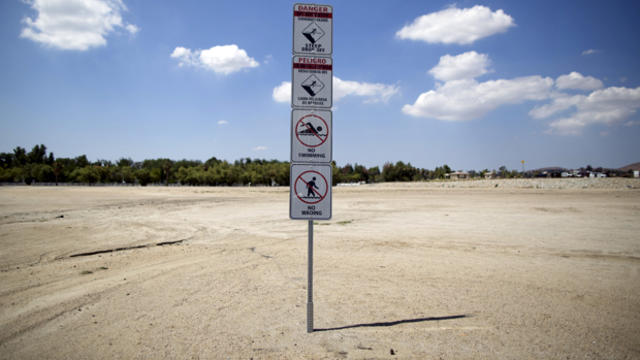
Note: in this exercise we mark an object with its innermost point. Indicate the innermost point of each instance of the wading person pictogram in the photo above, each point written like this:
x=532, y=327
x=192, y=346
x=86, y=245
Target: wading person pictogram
x=310, y=185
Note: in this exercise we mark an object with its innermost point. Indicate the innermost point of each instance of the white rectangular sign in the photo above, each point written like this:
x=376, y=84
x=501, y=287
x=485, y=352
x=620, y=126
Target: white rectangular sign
x=311, y=136
x=312, y=29
x=310, y=194
x=312, y=82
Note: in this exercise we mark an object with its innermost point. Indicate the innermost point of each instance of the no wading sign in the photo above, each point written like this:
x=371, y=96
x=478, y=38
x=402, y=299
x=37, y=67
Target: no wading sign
x=310, y=195
x=311, y=136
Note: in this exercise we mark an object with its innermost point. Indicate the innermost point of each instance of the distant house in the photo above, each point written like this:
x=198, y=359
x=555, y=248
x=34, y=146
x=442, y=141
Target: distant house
x=593, y=174
x=458, y=175
x=489, y=175
x=636, y=173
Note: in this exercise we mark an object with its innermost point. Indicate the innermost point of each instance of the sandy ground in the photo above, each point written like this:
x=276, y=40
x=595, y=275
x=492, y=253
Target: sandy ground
x=406, y=271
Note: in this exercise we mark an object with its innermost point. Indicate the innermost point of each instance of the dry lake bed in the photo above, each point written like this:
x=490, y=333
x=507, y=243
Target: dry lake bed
x=492, y=269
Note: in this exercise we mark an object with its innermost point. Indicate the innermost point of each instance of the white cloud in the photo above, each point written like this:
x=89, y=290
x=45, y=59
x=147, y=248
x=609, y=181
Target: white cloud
x=467, y=99
x=631, y=123
x=577, y=81
x=590, y=52
x=132, y=29
x=461, y=97
x=75, y=24
x=457, y=26
x=223, y=59
x=223, y=122
x=609, y=106
x=260, y=148
x=561, y=102
x=372, y=92
x=282, y=92
x=464, y=66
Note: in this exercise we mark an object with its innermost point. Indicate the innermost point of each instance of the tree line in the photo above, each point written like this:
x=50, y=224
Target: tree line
x=38, y=166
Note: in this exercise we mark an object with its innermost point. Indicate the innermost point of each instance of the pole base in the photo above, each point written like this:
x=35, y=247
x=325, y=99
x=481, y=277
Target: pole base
x=309, y=317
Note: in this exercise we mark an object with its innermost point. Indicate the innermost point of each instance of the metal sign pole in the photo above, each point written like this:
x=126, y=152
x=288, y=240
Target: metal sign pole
x=311, y=123
x=310, y=281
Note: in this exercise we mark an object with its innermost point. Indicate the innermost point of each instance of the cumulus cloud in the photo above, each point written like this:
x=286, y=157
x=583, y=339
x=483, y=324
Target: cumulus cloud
x=372, y=92
x=223, y=59
x=577, y=81
x=609, y=106
x=561, y=102
x=590, y=52
x=467, y=99
x=282, y=92
x=457, y=26
x=260, y=148
x=632, y=123
x=464, y=66
x=132, y=29
x=75, y=24
x=223, y=122
x=461, y=97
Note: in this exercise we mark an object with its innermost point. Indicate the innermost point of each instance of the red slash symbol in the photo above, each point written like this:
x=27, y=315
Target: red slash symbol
x=311, y=130
x=312, y=189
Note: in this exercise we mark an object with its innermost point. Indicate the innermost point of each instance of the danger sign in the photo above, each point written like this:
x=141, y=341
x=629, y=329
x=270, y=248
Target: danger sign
x=310, y=197
x=311, y=139
x=312, y=29
x=312, y=84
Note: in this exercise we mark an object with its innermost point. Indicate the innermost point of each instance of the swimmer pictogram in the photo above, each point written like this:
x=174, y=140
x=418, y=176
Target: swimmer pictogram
x=312, y=130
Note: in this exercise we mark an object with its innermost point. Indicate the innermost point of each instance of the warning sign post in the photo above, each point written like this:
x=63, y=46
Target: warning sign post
x=311, y=123
x=311, y=138
x=312, y=29
x=310, y=197
x=312, y=82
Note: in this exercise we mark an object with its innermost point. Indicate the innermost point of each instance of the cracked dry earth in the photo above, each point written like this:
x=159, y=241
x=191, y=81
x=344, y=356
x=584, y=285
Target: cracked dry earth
x=401, y=271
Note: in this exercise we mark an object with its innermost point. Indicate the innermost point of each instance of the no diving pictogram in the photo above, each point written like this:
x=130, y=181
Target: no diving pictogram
x=311, y=187
x=312, y=130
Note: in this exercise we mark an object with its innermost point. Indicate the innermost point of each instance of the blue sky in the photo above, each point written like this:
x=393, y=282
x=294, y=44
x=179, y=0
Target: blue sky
x=471, y=84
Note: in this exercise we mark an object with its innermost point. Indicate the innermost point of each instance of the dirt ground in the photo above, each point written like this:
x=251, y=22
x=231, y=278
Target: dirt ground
x=402, y=271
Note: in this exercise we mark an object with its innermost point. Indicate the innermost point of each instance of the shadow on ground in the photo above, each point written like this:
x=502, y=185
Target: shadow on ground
x=397, y=322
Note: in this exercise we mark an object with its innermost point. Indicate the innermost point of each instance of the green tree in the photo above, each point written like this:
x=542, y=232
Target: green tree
x=37, y=155
x=20, y=156
x=143, y=176
x=86, y=175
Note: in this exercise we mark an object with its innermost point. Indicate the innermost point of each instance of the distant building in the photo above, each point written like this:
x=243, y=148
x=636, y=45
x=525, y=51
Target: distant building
x=594, y=174
x=489, y=175
x=458, y=175
x=636, y=173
